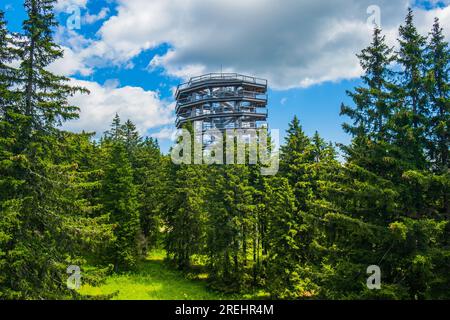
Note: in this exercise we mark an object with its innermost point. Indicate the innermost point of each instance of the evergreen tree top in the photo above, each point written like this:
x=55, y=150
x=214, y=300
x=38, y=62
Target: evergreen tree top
x=411, y=43
x=375, y=61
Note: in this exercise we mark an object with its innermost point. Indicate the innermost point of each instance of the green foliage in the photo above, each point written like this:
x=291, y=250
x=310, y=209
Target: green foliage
x=45, y=221
x=119, y=198
x=438, y=89
x=153, y=279
x=233, y=226
x=151, y=175
x=388, y=204
x=185, y=217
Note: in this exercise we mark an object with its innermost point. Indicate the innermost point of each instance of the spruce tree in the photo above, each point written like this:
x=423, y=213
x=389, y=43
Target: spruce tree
x=412, y=114
x=116, y=130
x=119, y=199
x=186, y=213
x=285, y=279
x=151, y=178
x=373, y=103
x=295, y=143
x=9, y=115
x=44, y=94
x=239, y=205
x=10, y=202
x=7, y=73
x=438, y=89
x=380, y=202
x=373, y=100
x=293, y=160
x=49, y=229
x=132, y=138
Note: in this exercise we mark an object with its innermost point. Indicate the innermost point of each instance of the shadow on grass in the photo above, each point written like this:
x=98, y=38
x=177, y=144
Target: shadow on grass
x=156, y=280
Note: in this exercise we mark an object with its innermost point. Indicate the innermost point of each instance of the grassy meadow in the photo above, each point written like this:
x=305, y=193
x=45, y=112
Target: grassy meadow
x=155, y=279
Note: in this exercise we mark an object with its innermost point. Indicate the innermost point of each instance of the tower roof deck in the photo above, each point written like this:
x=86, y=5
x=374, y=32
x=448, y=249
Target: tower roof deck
x=221, y=79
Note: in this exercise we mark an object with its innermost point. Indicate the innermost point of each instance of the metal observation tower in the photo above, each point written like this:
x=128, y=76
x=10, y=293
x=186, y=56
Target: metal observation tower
x=222, y=101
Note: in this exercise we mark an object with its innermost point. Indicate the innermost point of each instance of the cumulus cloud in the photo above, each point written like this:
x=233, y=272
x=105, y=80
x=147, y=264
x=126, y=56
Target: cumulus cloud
x=92, y=18
x=144, y=108
x=293, y=43
x=166, y=133
x=426, y=18
x=77, y=59
x=70, y=64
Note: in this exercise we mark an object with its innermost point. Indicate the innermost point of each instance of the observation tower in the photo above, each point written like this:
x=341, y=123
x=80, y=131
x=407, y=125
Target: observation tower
x=222, y=101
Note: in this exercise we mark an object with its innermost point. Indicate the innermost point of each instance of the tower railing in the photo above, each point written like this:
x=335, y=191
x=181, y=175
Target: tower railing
x=223, y=95
x=234, y=113
x=222, y=98
x=222, y=76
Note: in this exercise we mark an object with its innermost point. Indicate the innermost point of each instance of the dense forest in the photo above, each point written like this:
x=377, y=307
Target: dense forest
x=309, y=232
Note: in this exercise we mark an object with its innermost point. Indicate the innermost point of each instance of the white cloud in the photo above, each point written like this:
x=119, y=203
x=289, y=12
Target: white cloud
x=144, y=108
x=91, y=18
x=425, y=20
x=293, y=43
x=70, y=64
x=166, y=133
x=180, y=71
x=112, y=83
x=77, y=59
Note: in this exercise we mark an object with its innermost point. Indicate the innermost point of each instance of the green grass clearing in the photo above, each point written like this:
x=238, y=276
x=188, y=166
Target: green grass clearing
x=155, y=280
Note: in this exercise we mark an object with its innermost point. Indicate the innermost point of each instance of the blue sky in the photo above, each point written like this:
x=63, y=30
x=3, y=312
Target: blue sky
x=131, y=54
